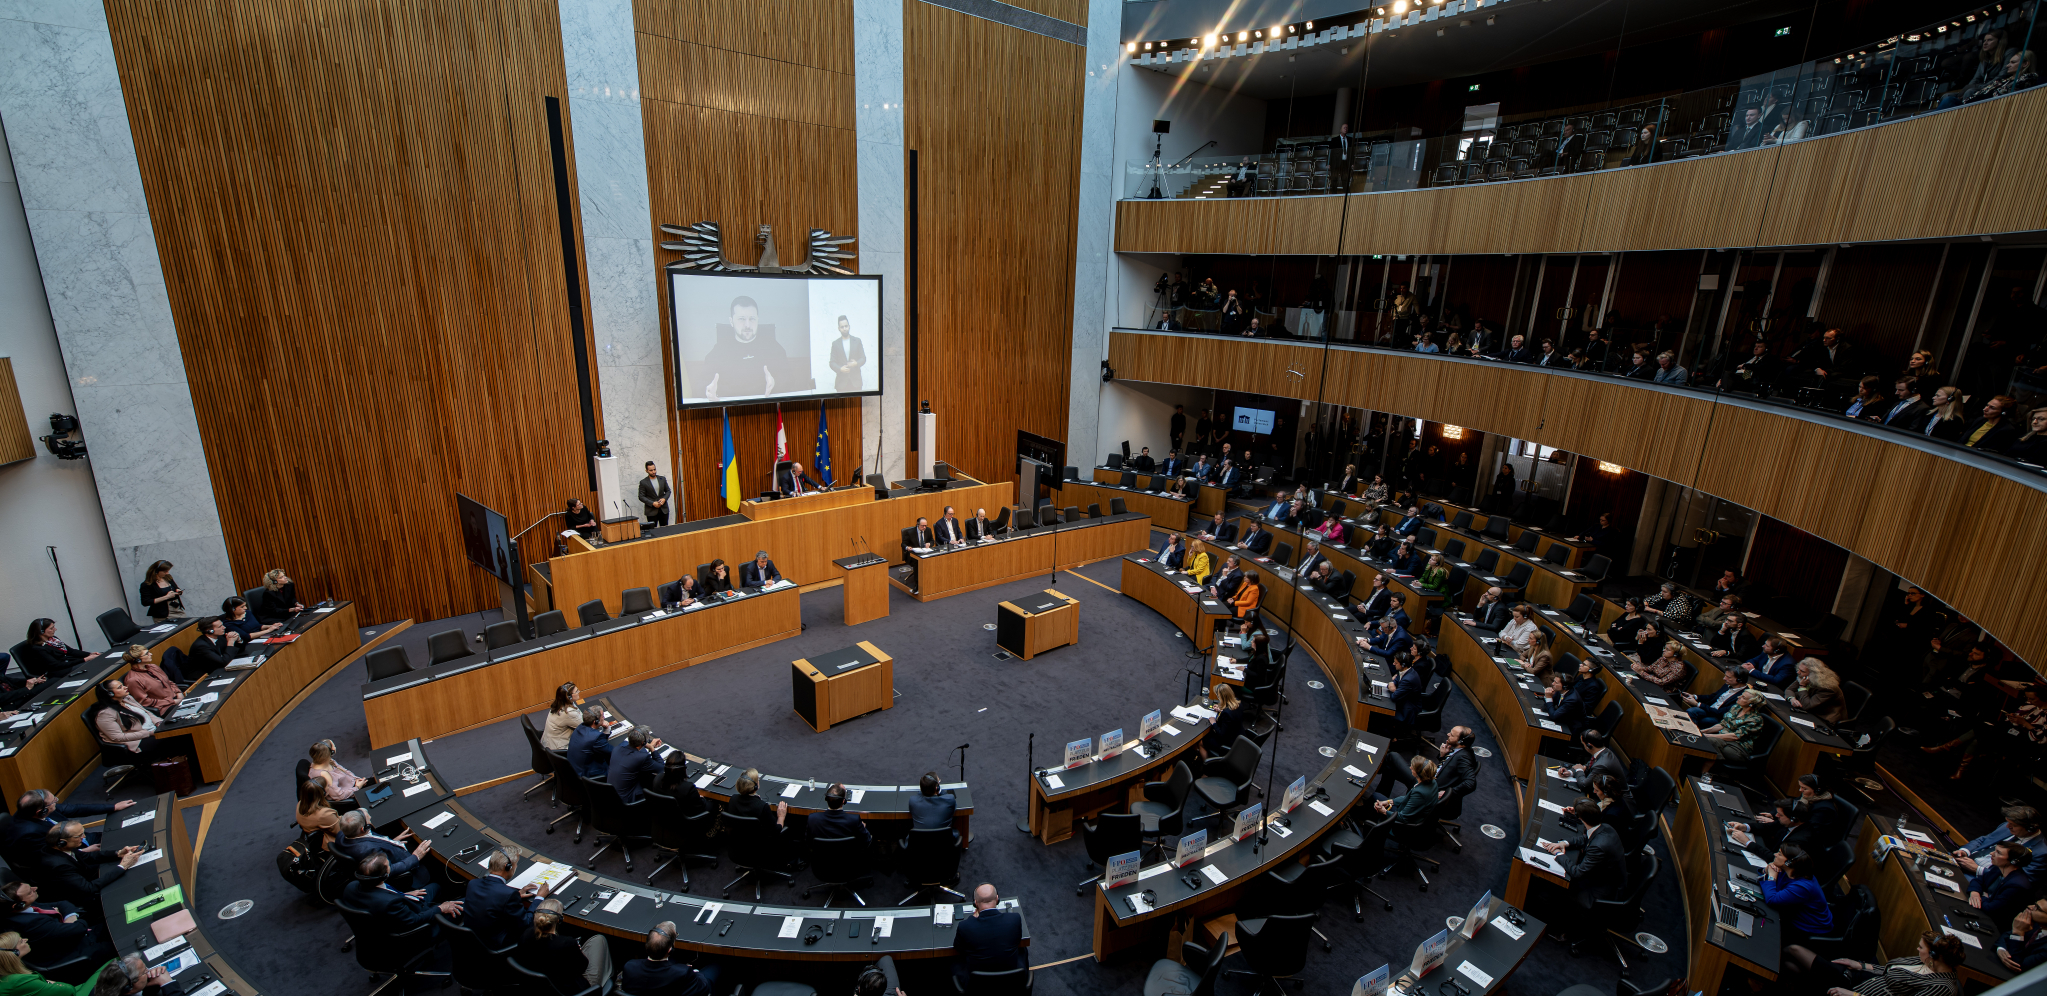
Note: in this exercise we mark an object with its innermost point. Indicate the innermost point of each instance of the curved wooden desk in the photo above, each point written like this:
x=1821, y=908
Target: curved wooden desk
x=1167, y=511
x=949, y=571
x=1101, y=783
x=163, y=832
x=57, y=750
x=1208, y=499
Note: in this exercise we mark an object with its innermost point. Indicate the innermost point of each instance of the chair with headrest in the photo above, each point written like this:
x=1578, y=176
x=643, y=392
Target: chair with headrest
x=499, y=635
x=1127, y=480
x=1104, y=837
x=1072, y=513
x=635, y=600
x=550, y=623
x=1117, y=507
x=1094, y=509
x=118, y=626
x=387, y=662
x=1001, y=520
x=446, y=645
x=592, y=612
x=1283, y=553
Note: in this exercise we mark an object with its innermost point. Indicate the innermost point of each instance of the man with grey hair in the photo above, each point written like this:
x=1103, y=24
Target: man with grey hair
x=397, y=911
x=357, y=840
x=758, y=572
x=70, y=874
x=658, y=975
x=634, y=766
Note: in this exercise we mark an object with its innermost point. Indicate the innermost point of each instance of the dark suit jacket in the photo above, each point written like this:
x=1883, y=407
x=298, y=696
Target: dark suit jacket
x=1375, y=605
x=1522, y=355
x=751, y=576
x=1306, y=567
x=989, y=941
x=979, y=529
x=827, y=823
x=1568, y=152
x=920, y=537
x=1607, y=763
x=1458, y=773
x=1226, y=585
x=751, y=806
x=1143, y=463
x=1570, y=710
x=2003, y=895
x=1596, y=865
x=208, y=656
x=589, y=752
x=1390, y=644
x=1494, y=616
x=1909, y=416
x=1783, y=672
x=556, y=956
x=929, y=812
x=77, y=877
x=632, y=770
x=785, y=482
x=403, y=861
x=2000, y=436
x=495, y=912
x=50, y=662
x=1739, y=644
x=1173, y=558
x=1408, y=526
x=1227, y=534
x=1406, y=692
x=274, y=605
x=1258, y=543
x=949, y=531
x=663, y=978
x=390, y=908
x=43, y=926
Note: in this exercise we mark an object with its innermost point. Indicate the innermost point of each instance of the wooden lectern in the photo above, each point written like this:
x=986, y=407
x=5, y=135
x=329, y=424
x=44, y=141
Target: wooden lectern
x=1042, y=622
x=836, y=686
x=866, y=587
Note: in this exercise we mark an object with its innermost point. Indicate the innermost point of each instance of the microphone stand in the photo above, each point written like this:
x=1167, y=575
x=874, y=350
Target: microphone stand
x=1271, y=779
x=1023, y=823
x=963, y=760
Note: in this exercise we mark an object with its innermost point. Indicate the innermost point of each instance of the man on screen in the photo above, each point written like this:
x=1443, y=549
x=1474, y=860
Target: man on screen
x=743, y=365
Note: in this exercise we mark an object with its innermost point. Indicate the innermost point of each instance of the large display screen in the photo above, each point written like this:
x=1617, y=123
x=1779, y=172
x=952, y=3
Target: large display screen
x=1253, y=420
x=487, y=538
x=743, y=338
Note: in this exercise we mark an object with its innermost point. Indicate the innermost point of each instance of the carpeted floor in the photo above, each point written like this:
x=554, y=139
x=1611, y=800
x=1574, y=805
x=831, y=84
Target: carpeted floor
x=951, y=690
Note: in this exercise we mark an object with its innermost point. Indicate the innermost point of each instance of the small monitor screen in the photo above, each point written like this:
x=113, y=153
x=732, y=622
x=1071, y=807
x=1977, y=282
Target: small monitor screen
x=1253, y=420
x=487, y=539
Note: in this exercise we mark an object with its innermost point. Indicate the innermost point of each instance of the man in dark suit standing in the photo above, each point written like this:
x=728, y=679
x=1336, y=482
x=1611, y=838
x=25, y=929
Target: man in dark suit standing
x=991, y=940
x=212, y=649
x=835, y=821
x=1178, y=430
x=57, y=930
x=67, y=874
x=978, y=527
x=357, y=841
x=949, y=531
x=635, y=767
x=657, y=975
x=590, y=746
x=1595, y=861
x=758, y=572
x=494, y=911
x=654, y=494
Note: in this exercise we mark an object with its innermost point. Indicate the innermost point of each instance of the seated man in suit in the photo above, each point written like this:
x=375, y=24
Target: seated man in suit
x=494, y=911
x=1412, y=524
x=1773, y=666
x=1202, y=469
x=1277, y=511
x=214, y=647
x=980, y=527
x=1382, y=543
x=394, y=910
x=58, y=930
x=1174, y=466
x=2022, y=824
x=66, y=873
x=1233, y=478
x=791, y=480
x=1381, y=600
x=1405, y=690
x=1256, y=539
x=920, y=535
x=1408, y=559
x=589, y=750
x=1391, y=639
x=2025, y=946
x=991, y=940
x=658, y=975
x=1310, y=558
x=1216, y=530
x=35, y=813
x=1492, y=611
x=1731, y=639
x=1594, y=862
x=758, y=572
x=1143, y=461
x=949, y=531
x=1706, y=712
x=358, y=841
x=931, y=808
x=1225, y=583
x=1789, y=823
x=634, y=767
x=1602, y=760
x=835, y=821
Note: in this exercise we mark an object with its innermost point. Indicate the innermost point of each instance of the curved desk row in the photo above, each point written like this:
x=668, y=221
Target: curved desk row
x=1168, y=511
x=1743, y=933
x=470, y=691
x=1024, y=553
x=161, y=830
x=1909, y=903
x=628, y=909
x=1547, y=582
x=1208, y=499
x=47, y=744
x=1106, y=779
x=1547, y=544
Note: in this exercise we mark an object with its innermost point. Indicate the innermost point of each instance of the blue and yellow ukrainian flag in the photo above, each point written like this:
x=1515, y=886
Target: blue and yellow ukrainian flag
x=728, y=481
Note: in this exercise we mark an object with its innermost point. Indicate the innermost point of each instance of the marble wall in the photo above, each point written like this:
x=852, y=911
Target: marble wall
x=602, y=63
x=878, y=127
x=81, y=191
x=1092, y=289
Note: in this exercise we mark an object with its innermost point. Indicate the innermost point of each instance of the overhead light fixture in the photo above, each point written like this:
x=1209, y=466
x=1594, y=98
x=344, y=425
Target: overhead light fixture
x=1243, y=36
x=1208, y=42
x=1311, y=25
x=1611, y=468
x=1132, y=47
x=1453, y=432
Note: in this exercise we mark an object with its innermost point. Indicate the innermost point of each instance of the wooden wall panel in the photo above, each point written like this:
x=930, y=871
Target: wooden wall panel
x=1698, y=203
x=1876, y=295
x=1970, y=536
x=1306, y=226
x=1251, y=366
x=994, y=115
x=748, y=111
x=17, y=443
x=1542, y=215
x=1908, y=179
x=355, y=213
x=2012, y=200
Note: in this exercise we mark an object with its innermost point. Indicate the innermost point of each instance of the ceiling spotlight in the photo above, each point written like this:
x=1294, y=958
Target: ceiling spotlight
x=1132, y=47
x=1311, y=25
x=1400, y=6
x=1243, y=36
x=1272, y=32
x=1208, y=42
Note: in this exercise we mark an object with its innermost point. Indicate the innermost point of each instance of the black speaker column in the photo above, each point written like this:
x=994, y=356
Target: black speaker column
x=572, y=279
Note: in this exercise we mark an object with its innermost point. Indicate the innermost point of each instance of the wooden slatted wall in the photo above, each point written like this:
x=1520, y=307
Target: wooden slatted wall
x=994, y=114
x=354, y=207
x=748, y=112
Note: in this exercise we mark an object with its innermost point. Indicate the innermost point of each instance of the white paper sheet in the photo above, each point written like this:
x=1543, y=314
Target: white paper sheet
x=438, y=820
x=132, y=820
x=417, y=789
x=1214, y=874
x=791, y=790
x=618, y=902
x=1969, y=939
x=1472, y=972
x=1054, y=782
x=791, y=926
x=1320, y=808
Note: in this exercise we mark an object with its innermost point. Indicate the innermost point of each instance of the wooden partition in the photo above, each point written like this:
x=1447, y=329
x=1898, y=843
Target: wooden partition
x=1963, y=527
x=1900, y=180
x=802, y=546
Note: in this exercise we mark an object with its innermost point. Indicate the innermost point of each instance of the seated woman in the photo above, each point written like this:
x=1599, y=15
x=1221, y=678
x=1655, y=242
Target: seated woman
x=1540, y=666
x=315, y=813
x=1735, y=735
x=1436, y=575
x=720, y=582
x=17, y=979
x=45, y=656
x=279, y=601
x=583, y=521
x=1248, y=596
x=1819, y=692
x=1621, y=632
x=1231, y=714
x=564, y=714
x=1376, y=492
x=1667, y=671
x=1198, y=565
x=1789, y=888
x=1519, y=633
x=341, y=783
x=1330, y=531
x=147, y=682
x=127, y=728
x=236, y=615
x=1934, y=971
x=674, y=781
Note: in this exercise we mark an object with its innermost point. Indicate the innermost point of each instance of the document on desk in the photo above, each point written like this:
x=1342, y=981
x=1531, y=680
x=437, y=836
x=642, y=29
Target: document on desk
x=132, y=820
x=435, y=823
x=1968, y=939
x=941, y=915
x=791, y=926
x=884, y=926
x=1472, y=972
x=1547, y=725
x=1551, y=806
x=217, y=684
x=618, y=902
x=858, y=794
x=1054, y=782
x=1920, y=837
x=791, y=790
x=1543, y=860
x=704, y=781
x=417, y=789
x=542, y=873
x=73, y=684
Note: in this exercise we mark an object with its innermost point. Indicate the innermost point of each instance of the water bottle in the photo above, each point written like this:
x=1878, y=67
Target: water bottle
x=1901, y=824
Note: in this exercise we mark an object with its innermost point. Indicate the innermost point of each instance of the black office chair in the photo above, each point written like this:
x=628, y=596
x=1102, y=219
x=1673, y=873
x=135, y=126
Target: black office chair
x=1596, y=567
x=756, y=850
x=477, y=968
x=1608, y=718
x=1127, y=480
x=635, y=600
x=1516, y=581
x=1117, y=507
x=1072, y=513
x=1429, y=718
x=1171, y=978
x=1047, y=515
x=1454, y=549
x=1747, y=772
x=568, y=790
x=118, y=626
x=254, y=597
x=550, y=623
x=499, y=635
x=387, y=662
x=447, y=645
x=1620, y=916
x=1114, y=461
x=1447, y=812
x=930, y=860
x=1487, y=561
x=532, y=983
x=1496, y=527
x=1008, y=982
x=1410, y=839
x=615, y=821
x=543, y=764
x=1527, y=542
x=839, y=863
x=1164, y=802
x=412, y=954
x=1360, y=855
x=73, y=968
x=1104, y=837
x=1002, y=519
x=909, y=537
x=1582, y=608
x=1856, y=922
x=1427, y=539
x=1025, y=521
x=1461, y=521
x=591, y=613
x=682, y=838
x=1856, y=698
x=1276, y=948
x=1283, y=553
x=1094, y=509
x=1225, y=782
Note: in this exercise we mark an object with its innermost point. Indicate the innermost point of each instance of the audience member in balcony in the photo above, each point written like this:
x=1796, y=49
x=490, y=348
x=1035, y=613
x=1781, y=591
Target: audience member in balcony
x=1996, y=429
x=1787, y=128
x=1341, y=149
x=1233, y=314
x=1920, y=365
x=1668, y=371
x=1240, y=179
x=1644, y=151
x=1577, y=360
x=1596, y=347
x=2020, y=72
x=1944, y=418
x=1406, y=309
x=1207, y=294
x=1481, y=340
x=1255, y=331
x=1170, y=324
x=1907, y=409
x=1639, y=367
x=1570, y=147
x=1990, y=54
x=1869, y=401
x=1827, y=358
x=1518, y=351
x=1749, y=133
x=1424, y=343
x=1754, y=374
x=1547, y=355
x=2031, y=447
x=1454, y=346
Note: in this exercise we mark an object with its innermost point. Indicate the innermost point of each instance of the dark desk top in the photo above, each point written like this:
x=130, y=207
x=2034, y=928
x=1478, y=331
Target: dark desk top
x=1947, y=910
x=1180, y=579
x=1800, y=723
x=1143, y=477
x=719, y=780
x=858, y=561
x=222, y=684
x=1534, y=708
x=1237, y=862
x=1445, y=532
x=754, y=930
x=1495, y=953
x=422, y=675
x=836, y=662
x=1179, y=729
x=1720, y=803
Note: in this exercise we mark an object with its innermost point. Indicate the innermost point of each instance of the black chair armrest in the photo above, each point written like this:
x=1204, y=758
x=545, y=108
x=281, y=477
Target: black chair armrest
x=1158, y=792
